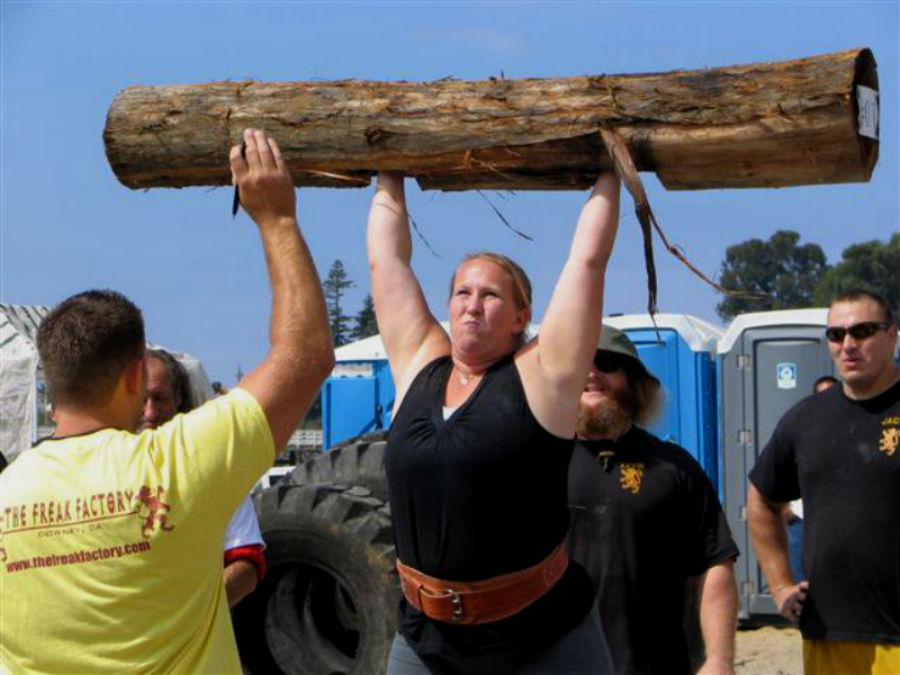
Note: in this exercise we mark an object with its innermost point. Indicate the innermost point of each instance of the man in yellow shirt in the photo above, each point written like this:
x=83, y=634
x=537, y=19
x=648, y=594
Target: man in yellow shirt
x=111, y=541
x=169, y=393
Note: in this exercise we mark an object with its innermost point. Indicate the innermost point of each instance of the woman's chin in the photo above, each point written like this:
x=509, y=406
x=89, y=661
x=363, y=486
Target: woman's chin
x=477, y=348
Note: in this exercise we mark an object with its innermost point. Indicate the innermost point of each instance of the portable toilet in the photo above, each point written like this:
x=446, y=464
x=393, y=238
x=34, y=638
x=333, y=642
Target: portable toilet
x=768, y=361
x=358, y=397
x=681, y=352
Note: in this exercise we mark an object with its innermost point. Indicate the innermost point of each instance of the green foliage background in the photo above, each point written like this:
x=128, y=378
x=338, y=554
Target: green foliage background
x=782, y=273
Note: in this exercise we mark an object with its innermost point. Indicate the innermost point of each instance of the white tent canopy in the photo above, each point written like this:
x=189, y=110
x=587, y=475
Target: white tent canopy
x=19, y=377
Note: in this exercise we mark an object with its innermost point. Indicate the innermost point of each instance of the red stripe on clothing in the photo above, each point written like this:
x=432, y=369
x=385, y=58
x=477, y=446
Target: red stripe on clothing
x=253, y=553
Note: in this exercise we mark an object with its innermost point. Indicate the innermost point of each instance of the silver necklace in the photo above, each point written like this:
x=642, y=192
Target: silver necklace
x=466, y=378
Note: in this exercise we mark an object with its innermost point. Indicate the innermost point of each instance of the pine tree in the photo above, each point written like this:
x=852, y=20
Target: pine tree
x=334, y=286
x=366, y=325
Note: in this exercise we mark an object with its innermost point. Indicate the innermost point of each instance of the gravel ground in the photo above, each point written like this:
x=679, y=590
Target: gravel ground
x=769, y=650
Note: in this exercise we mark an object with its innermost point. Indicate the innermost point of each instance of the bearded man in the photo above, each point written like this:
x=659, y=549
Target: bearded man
x=647, y=524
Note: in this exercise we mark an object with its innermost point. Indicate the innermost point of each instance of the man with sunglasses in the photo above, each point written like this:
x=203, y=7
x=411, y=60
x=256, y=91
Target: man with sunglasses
x=647, y=524
x=840, y=451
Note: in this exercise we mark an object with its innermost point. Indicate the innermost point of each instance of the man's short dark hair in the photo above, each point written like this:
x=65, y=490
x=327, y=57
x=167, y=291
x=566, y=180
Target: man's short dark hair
x=857, y=294
x=178, y=378
x=86, y=342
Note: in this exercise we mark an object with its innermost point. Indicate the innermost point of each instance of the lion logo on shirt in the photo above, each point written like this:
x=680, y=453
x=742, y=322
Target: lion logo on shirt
x=631, y=476
x=890, y=439
x=152, y=509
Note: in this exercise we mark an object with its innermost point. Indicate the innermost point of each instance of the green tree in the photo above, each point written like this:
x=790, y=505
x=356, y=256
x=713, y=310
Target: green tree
x=365, y=320
x=872, y=266
x=780, y=273
x=333, y=287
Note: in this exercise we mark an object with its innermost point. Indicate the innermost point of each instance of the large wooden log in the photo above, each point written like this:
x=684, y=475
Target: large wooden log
x=764, y=125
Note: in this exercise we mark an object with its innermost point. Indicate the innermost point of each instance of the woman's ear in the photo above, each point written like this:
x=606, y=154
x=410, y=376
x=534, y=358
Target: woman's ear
x=523, y=318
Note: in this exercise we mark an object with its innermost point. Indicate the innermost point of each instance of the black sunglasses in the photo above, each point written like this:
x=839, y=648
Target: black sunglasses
x=858, y=331
x=607, y=363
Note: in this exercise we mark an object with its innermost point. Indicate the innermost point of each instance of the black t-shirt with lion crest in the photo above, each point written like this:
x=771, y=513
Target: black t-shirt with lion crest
x=843, y=458
x=645, y=520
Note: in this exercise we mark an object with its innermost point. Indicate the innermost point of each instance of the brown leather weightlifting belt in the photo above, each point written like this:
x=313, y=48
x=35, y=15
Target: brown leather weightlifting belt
x=484, y=601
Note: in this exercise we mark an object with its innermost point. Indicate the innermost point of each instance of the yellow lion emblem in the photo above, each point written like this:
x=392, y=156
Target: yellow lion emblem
x=890, y=439
x=630, y=476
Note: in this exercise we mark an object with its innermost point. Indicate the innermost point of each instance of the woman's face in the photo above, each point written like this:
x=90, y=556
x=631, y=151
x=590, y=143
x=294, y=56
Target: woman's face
x=484, y=319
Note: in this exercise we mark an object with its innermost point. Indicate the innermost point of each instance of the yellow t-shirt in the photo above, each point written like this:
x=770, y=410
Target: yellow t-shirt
x=111, y=544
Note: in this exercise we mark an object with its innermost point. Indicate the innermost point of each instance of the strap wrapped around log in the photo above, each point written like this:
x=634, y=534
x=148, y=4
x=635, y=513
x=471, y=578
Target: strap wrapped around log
x=765, y=125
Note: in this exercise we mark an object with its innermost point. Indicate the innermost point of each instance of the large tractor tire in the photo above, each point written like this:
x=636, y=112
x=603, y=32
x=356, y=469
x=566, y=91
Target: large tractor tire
x=358, y=461
x=328, y=602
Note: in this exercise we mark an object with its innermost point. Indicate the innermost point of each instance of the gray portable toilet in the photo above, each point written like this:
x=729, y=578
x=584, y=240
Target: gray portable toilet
x=768, y=361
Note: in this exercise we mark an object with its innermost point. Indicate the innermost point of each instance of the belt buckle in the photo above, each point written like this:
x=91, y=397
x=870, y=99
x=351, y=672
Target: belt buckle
x=456, y=600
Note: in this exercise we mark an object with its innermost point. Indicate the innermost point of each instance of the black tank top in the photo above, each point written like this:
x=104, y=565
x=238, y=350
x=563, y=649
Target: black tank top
x=481, y=494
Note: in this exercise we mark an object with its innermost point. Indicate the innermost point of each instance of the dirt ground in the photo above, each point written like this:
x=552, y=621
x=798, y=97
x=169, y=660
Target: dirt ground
x=769, y=650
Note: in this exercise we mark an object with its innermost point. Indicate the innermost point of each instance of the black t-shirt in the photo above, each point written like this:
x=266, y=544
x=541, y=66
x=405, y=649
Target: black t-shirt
x=476, y=496
x=644, y=521
x=843, y=457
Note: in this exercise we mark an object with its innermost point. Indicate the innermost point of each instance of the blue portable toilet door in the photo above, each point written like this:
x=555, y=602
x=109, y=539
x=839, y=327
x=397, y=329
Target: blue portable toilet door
x=661, y=359
x=349, y=408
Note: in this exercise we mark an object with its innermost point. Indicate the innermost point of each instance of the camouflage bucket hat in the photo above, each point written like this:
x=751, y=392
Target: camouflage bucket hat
x=614, y=341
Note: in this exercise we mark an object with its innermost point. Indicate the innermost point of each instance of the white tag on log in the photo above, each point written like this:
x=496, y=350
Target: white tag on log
x=867, y=102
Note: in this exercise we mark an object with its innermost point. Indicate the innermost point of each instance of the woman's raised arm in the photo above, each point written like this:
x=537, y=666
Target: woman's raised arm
x=411, y=335
x=571, y=324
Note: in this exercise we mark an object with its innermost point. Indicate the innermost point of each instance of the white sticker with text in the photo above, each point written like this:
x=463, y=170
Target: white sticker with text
x=867, y=102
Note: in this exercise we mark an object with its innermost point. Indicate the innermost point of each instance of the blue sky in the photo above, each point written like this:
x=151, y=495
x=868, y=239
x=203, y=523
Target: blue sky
x=67, y=224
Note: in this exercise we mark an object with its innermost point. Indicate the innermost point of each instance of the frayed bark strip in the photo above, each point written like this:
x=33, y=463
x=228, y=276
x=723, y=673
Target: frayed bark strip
x=502, y=217
x=338, y=176
x=627, y=172
x=415, y=226
x=625, y=169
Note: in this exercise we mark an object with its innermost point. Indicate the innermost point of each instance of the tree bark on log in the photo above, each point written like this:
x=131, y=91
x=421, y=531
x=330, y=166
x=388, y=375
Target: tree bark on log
x=764, y=125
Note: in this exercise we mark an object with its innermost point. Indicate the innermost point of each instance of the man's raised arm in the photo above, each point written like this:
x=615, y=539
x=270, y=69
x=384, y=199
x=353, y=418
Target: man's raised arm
x=300, y=353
